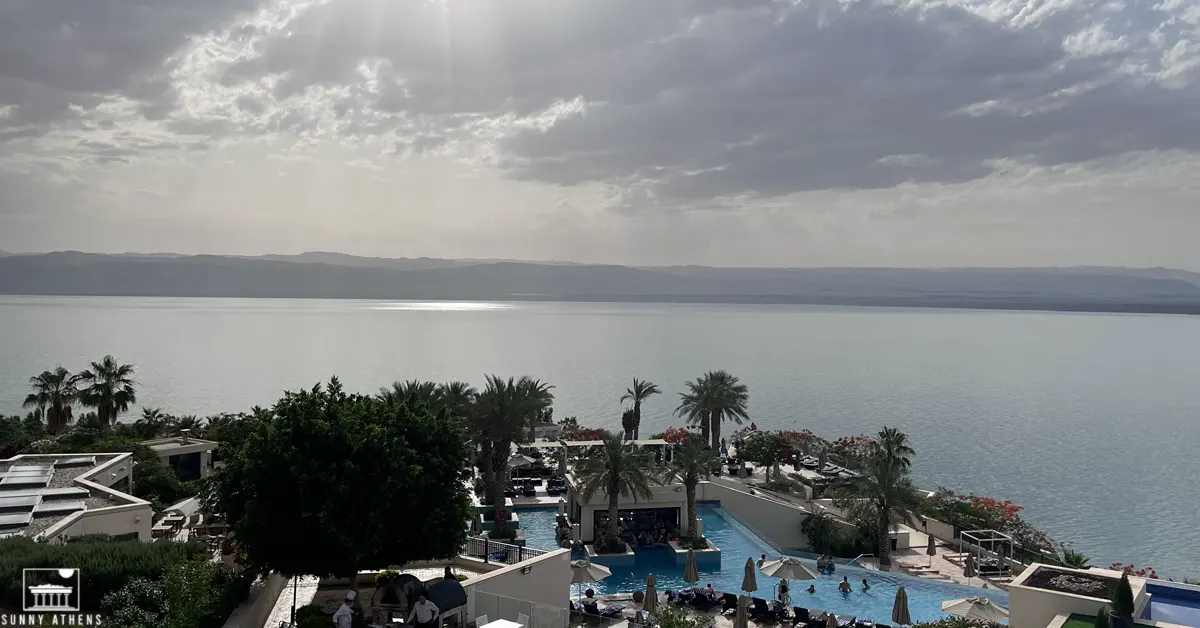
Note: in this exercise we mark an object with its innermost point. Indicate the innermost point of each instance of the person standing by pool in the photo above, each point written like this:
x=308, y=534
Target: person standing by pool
x=844, y=587
x=784, y=598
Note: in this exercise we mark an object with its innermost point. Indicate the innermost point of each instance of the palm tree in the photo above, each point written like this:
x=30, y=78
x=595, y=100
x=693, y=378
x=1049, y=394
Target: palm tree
x=619, y=469
x=152, y=423
x=712, y=398
x=110, y=389
x=536, y=398
x=884, y=496
x=412, y=392
x=500, y=412
x=691, y=462
x=639, y=392
x=53, y=393
x=456, y=397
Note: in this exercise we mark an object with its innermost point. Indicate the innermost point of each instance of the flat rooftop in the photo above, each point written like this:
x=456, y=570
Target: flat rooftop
x=37, y=492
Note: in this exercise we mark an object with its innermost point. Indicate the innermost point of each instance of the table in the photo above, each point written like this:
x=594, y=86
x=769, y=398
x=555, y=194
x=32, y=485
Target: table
x=502, y=623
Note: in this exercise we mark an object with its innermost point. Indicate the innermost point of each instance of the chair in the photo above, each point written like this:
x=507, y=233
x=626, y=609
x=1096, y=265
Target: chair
x=761, y=611
x=523, y=619
x=481, y=621
x=799, y=615
x=728, y=603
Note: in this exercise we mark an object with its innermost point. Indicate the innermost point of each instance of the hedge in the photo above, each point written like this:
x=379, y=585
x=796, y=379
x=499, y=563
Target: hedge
x=105, y=565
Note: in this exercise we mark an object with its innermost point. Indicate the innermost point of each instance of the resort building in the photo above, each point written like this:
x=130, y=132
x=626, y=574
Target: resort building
x=52, y=497
x=190, y=458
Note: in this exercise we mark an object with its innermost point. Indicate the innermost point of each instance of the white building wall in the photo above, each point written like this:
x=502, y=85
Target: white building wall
x=548, y=582
x=117, y=521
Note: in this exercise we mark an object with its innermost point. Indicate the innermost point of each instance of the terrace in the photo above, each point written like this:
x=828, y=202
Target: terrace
x=51, y=496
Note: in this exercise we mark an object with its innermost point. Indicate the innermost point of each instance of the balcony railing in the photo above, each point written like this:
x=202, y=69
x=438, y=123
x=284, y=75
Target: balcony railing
x=495, y=552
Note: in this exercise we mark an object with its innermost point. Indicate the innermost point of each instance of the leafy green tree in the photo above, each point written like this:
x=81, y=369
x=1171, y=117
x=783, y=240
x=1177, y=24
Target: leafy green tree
x=53, y=393
x=109, y=389
x=618, y=469
x=885, y=494
x=188, y=588
x=357, y=482
x=763, y=448
x=141, y=603
x=710, y=400
x=636, y=394
x=691, y=461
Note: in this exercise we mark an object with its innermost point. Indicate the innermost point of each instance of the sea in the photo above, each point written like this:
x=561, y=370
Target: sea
x=1091, y=422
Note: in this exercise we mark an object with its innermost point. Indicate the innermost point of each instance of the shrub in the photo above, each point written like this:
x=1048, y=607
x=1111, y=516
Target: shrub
x=141, y=603
x=105, y=565
x=958, y=622
x=693, y=543
x=192, y=594
x=668, y=616
x=1122, y=598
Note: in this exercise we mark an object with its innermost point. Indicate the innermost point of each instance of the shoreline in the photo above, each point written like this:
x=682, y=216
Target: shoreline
x=1168, y=308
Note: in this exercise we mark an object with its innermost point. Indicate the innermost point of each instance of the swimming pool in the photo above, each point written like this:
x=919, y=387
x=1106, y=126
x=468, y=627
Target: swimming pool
x=738, y=543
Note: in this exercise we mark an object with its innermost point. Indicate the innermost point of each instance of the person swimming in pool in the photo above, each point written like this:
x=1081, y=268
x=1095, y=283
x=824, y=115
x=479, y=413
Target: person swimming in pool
x=844, y=585
x=812, y=589
x=866, y=587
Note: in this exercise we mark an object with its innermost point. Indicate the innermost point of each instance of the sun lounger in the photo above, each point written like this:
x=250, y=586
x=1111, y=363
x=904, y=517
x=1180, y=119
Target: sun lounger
x=845, y=620
x=728, y=603
x=761, y=611
x=799, y=615
x=819, y=620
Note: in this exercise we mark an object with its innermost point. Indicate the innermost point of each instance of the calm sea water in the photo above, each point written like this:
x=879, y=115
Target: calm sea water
x=1090, y=421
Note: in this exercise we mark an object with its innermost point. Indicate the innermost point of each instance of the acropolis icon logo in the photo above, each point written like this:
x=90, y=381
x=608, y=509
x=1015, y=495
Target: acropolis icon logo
x=51, y=590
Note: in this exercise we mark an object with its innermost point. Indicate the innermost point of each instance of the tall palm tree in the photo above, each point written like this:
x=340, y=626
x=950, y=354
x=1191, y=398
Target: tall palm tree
x=639, y=392
x=502, y=410
x=412, y=392
x=712, y=398
x=885, y=495
x=152, y=423
x=618, y=469
x=53, y=393
x=691, y=461
x=456, y=397
x=110, y=389
x=536, y=397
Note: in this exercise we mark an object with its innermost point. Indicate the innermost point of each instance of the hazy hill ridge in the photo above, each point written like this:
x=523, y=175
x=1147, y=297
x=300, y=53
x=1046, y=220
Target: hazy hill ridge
x=336, y=275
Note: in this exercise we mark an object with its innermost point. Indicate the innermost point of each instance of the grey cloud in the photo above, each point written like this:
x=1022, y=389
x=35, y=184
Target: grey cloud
x=678, y=89
x=75, y=51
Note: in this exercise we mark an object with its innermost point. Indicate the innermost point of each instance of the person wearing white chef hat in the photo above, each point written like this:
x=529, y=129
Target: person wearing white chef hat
x=345, y=614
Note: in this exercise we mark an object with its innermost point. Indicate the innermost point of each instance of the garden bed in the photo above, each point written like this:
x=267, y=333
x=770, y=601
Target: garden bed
x=708, y=557
x=621, y=559
x=1091, y=585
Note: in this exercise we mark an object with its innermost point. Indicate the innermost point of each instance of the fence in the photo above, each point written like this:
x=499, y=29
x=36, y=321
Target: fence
x=493, y=552
x=501, y=607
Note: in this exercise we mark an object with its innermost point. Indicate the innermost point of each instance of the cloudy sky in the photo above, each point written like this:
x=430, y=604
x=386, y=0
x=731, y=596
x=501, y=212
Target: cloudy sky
x=737, y=132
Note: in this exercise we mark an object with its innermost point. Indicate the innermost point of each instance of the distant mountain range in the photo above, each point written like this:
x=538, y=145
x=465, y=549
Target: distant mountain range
x=336, y=275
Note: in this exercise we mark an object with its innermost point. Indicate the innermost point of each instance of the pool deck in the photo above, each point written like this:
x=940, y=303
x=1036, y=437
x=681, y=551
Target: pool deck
x=911, y=561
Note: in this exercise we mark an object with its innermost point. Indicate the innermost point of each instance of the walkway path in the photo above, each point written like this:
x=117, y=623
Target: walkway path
x=306, y=589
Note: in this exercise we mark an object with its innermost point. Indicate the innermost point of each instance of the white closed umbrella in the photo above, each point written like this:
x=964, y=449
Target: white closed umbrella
x=976, y=607
x=691, y=575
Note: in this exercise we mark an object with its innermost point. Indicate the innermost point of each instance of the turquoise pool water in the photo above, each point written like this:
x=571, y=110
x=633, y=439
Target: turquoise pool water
x=738, y=543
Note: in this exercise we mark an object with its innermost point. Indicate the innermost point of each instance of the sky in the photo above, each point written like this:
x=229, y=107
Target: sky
x=722, y=132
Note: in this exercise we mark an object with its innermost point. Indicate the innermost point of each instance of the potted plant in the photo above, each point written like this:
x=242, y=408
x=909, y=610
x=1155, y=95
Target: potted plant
x=1121, y=615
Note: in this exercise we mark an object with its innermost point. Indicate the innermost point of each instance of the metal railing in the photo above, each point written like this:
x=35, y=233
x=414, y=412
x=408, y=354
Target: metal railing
x=495, y=552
